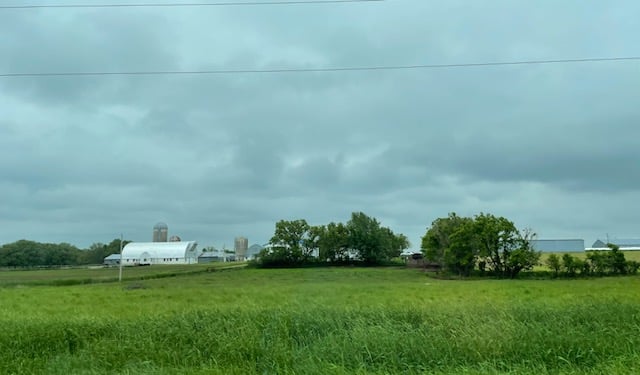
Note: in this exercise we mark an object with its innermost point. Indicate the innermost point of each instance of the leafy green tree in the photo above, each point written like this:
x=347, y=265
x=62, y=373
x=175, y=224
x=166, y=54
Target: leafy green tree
x=459, y=243
x=437, y=239
x=553, y=262
x=633, y=266
x=461, y=254
x=311, y=242
x=98, y=251
x=586, y=267
x=373, y=243
x=598, y=261
x=523, y=257
x=334, y=243
x=289, y=244
x=617, y=261
x=507, y=250
x=570, y=264
x=496, y=237
x=400, y=242
x=579, y=265
x=60, y=254
x=365, y=238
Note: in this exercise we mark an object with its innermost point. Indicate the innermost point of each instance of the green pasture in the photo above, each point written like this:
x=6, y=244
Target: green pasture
x=87, y=275
x=322, y=321
x=628, y=255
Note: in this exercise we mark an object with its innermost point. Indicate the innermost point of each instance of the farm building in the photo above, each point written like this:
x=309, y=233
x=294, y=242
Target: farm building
x=112, y=260
x=415, y=259
x=148, y=253
x=624, y=244
x=253, y=251
x=210, y=258
x=550, y=246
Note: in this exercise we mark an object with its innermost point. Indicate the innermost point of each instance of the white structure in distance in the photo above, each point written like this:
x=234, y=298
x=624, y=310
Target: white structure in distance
x=148, y=253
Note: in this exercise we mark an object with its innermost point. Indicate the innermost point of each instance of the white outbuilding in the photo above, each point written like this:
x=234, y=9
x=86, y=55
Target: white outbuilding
x=148, y=253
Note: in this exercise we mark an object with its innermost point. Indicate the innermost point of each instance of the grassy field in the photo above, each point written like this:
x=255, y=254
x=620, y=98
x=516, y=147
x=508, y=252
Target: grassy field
x=88, y=275
x=628, y=255
x=322, y=321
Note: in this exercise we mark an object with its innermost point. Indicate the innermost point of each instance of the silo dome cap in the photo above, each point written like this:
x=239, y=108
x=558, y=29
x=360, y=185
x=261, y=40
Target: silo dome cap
x=161, y=225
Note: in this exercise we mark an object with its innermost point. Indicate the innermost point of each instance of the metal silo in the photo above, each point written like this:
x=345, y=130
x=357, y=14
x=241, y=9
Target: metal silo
x=160, y=232
x=241, y=244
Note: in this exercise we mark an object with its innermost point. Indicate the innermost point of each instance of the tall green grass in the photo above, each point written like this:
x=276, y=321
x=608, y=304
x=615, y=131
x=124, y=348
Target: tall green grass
x=323, y=321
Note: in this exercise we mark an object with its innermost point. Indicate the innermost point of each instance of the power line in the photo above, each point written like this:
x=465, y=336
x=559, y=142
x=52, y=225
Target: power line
x=149, y=5
x=318, y=70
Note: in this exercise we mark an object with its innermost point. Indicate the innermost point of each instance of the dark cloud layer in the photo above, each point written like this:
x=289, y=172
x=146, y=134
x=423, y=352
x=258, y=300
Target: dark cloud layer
x=550, y=146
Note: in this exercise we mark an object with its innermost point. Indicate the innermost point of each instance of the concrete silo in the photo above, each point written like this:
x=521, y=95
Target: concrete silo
x=160, y=232
x=241, y=244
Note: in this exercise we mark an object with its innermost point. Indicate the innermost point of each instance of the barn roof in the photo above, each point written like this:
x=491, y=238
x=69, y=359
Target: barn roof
x=159, y=249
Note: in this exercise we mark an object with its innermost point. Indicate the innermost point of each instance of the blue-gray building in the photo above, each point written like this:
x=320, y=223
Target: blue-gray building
x=559, y=246
x=622, y=243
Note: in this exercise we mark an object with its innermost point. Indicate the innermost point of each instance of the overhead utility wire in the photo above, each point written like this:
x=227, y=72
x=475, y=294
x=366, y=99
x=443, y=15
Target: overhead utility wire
x=157, y=5
x=319, y=70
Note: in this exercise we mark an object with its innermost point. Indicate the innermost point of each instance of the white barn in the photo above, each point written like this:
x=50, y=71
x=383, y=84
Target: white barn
x=148, y=253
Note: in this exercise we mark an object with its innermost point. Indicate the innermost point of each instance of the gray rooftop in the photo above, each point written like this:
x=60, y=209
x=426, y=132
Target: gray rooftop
x=622, y=242
x=558, y=245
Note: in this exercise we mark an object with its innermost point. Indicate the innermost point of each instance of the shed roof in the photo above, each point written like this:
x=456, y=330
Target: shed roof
x=113, y=257
x=552, y=245
x=626, y=242
x=623, y=242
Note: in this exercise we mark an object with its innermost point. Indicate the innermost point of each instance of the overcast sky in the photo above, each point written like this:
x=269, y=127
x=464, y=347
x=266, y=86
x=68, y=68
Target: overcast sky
x=551, y=147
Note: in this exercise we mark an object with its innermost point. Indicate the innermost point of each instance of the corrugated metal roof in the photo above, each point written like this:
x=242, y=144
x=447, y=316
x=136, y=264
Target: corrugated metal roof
x=113, y=257
x=558, y=245
x=623, y=242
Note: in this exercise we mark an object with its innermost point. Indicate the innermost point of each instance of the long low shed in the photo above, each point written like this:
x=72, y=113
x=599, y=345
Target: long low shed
x=550, y=246
x=148, y=253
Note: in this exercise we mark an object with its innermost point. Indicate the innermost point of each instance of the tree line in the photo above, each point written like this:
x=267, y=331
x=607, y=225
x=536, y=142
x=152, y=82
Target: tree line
x=24, y=253
x=360, y=240
x=596, y=263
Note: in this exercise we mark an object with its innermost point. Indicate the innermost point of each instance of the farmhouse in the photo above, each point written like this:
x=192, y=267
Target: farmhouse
x=148, y=253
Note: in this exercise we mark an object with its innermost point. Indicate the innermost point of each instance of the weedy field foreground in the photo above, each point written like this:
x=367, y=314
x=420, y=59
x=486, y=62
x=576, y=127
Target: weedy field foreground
x=325, y=322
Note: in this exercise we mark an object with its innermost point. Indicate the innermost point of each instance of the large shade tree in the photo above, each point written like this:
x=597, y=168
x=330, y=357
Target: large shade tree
x=458, y=244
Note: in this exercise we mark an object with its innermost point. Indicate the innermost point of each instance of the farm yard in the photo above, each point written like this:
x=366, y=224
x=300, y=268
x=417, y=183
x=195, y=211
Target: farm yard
x=321, y=321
